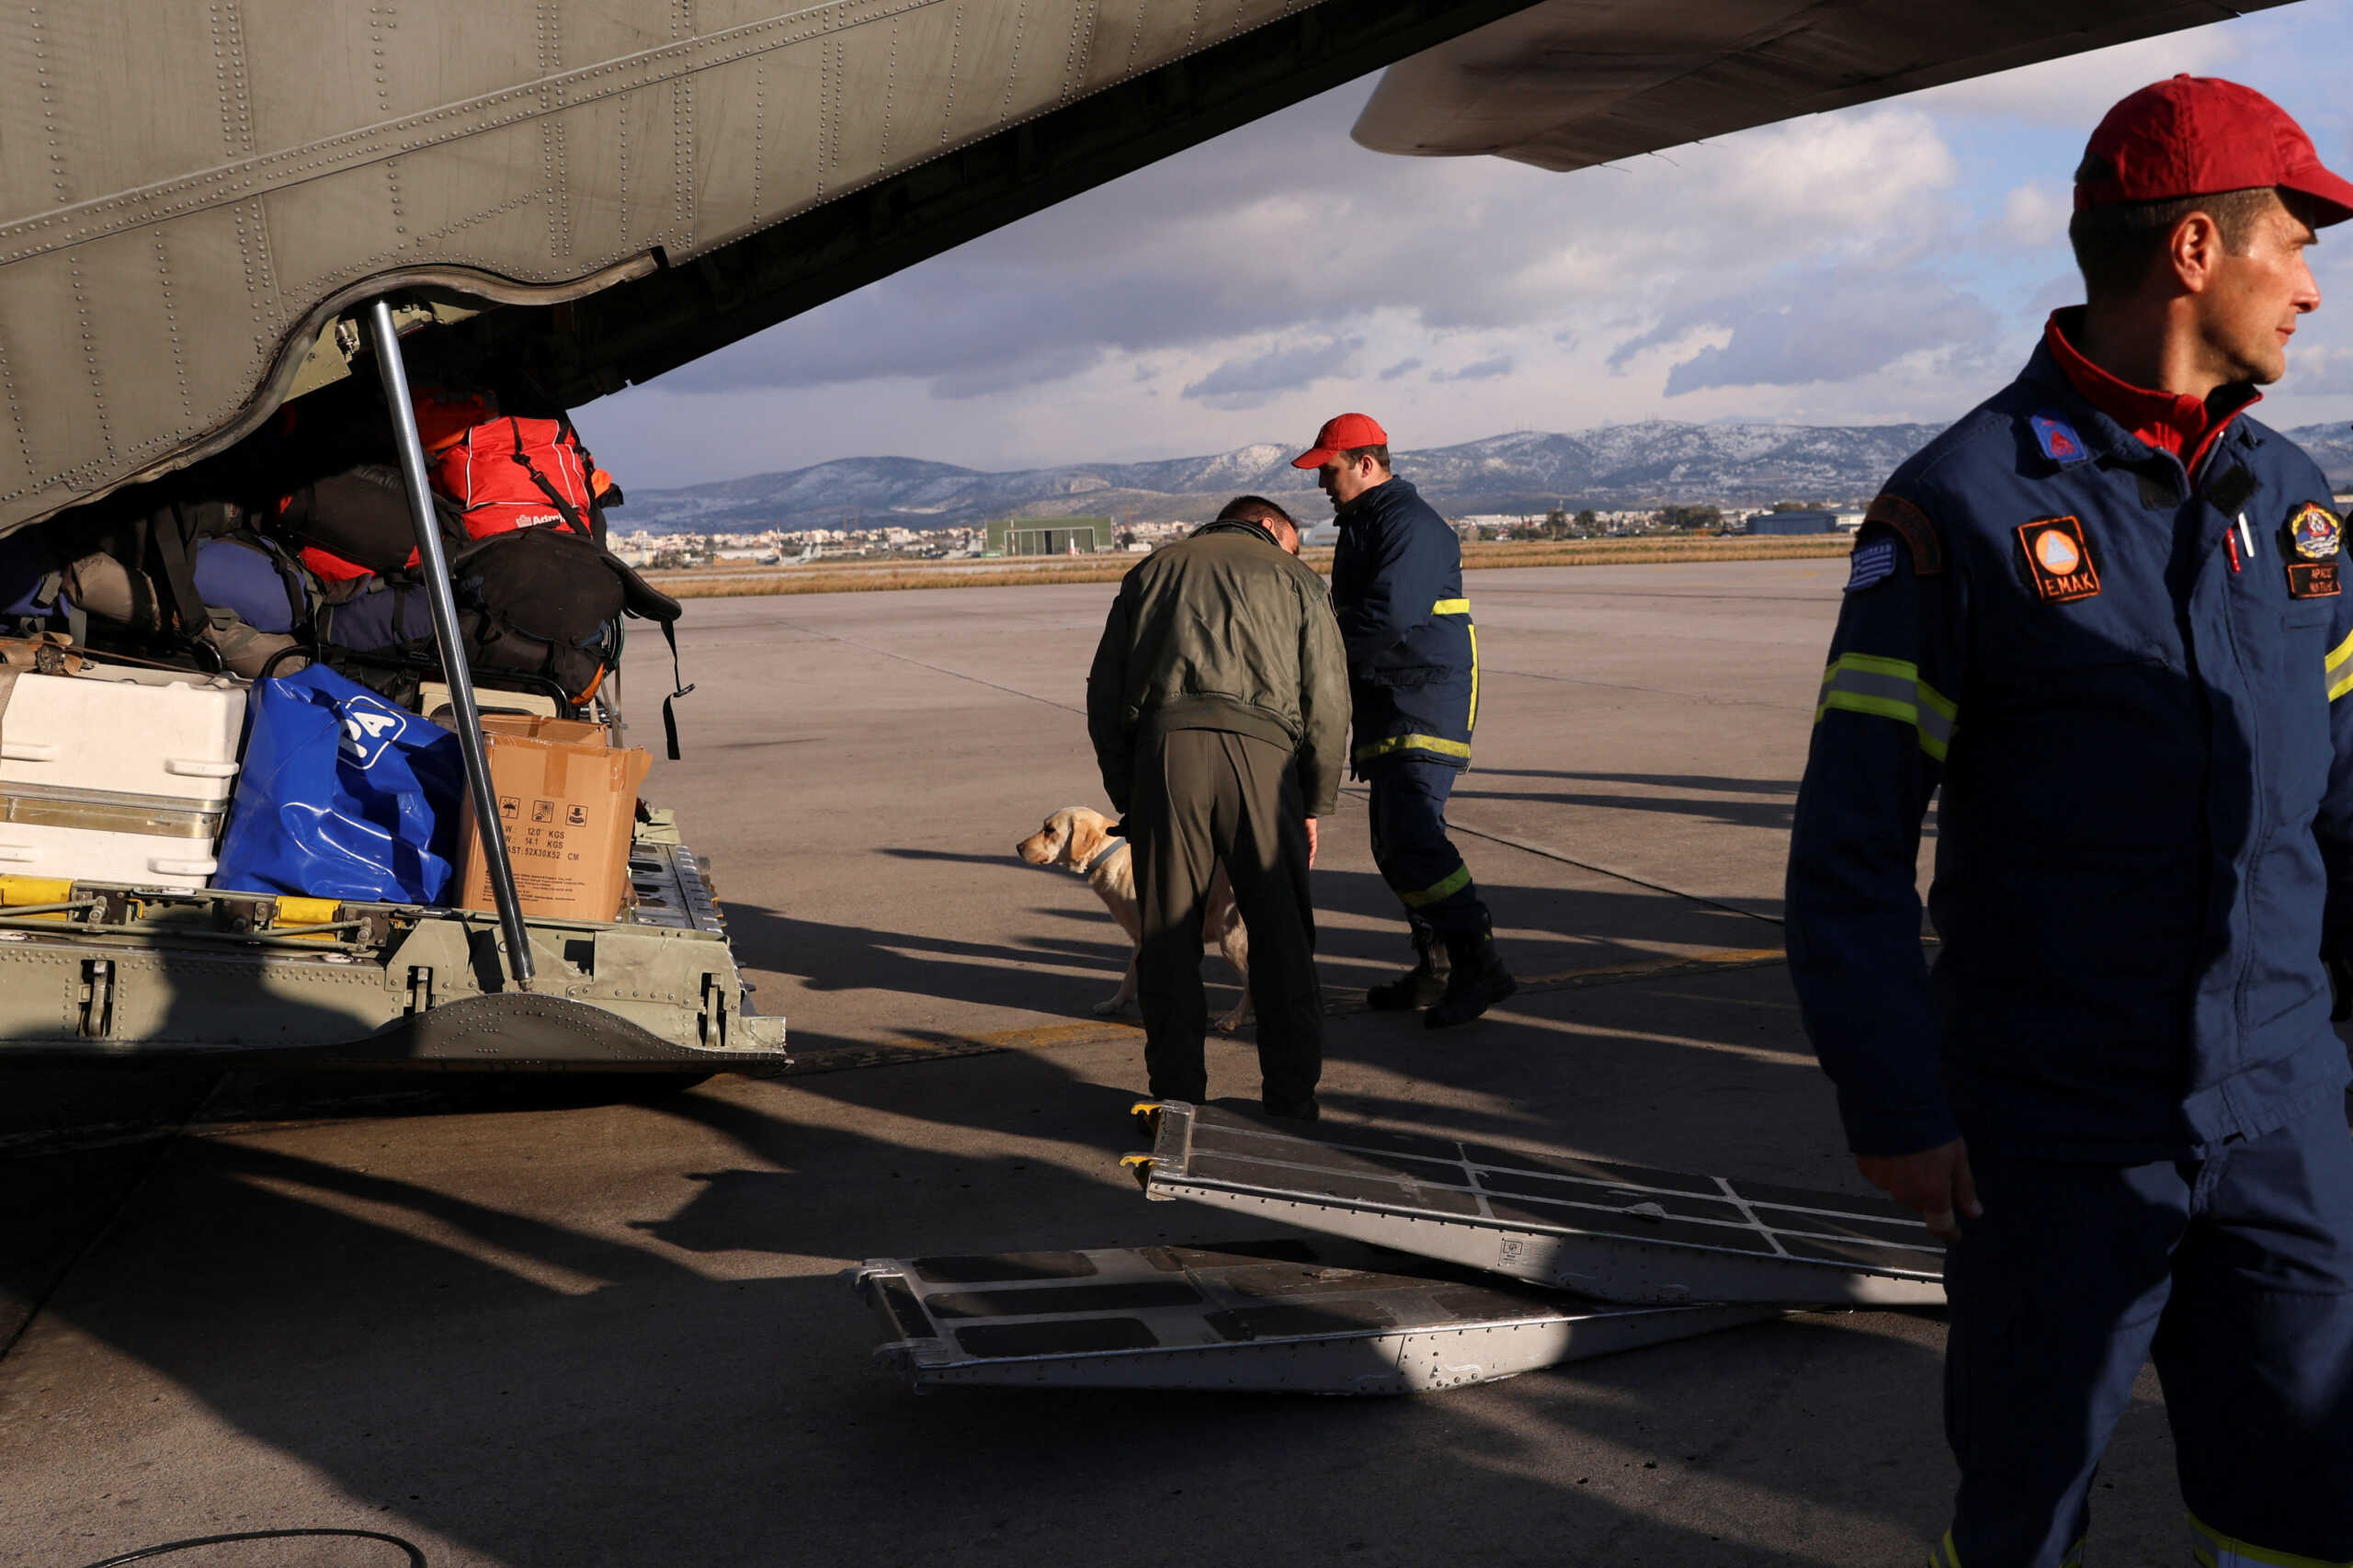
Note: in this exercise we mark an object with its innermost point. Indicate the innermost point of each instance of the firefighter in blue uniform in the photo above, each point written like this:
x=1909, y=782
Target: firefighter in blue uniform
x=1414, y=696
x=2104, y=615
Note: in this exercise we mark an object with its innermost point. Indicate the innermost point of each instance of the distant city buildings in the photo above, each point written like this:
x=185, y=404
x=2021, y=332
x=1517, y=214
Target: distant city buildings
x=1015, y=536
x=778, y=547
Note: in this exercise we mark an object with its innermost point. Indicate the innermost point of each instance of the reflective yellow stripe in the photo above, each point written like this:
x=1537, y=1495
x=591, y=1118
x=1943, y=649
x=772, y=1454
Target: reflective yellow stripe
x=2339, y=669
x=1451, y=606
x=1414, y=743
x=1473, y=722
x=1453, y=882
x=1889, y=688
x=2215, y=1550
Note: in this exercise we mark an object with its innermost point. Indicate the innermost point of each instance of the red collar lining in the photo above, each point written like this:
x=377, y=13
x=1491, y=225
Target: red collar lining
x=2171, y=422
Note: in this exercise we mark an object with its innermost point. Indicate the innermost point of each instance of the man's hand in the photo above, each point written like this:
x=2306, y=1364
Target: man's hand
x=1311, y=844
x=1935, y=1181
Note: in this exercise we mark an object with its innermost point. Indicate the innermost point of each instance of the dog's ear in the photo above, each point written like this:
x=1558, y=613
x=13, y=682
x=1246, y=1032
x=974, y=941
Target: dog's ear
x=1086, y=837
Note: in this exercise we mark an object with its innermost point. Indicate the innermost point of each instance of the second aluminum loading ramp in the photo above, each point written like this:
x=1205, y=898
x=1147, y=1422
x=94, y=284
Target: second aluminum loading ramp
x=1607, y=1231
x=1294, y=1316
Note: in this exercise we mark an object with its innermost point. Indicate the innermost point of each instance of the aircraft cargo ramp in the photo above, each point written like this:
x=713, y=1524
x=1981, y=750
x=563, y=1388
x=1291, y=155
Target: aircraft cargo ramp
x=1290, y=1315
x=1607, y=1231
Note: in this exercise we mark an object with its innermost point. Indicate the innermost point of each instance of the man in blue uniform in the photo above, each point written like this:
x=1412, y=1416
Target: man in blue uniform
x=2103, y=613
x=1414, y=696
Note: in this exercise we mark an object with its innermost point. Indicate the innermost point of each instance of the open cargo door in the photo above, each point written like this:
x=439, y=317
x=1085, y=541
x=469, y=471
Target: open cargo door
x=1294, y=1315
x=1607, y=1231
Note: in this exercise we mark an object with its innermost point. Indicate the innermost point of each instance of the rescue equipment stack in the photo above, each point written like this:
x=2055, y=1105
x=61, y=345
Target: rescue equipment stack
x=120, y=768
x=247, y=714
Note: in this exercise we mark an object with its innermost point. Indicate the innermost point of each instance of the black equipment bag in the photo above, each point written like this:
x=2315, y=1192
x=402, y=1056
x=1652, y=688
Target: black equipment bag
x=360, y=518
x=545, y=604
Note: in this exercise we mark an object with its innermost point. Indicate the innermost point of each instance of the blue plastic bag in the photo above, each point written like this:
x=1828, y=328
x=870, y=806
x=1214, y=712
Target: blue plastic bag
x=342, y=795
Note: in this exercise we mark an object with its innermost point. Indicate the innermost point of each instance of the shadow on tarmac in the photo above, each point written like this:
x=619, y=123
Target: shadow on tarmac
x=1362, y=938
x=544, y=1396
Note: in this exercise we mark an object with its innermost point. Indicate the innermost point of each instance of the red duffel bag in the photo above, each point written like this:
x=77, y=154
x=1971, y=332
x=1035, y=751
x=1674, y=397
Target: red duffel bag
x=510, y=473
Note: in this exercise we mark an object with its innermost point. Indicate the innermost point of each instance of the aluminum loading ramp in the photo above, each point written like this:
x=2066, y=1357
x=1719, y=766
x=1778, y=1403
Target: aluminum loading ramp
x=1296, y=1315
x=1611, y=1233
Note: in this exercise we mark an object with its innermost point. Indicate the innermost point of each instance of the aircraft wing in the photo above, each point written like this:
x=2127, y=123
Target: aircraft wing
x=197, y=196
x=1566, y=84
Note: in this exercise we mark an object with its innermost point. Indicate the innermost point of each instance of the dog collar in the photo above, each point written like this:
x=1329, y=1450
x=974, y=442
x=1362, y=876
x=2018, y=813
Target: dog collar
x=1102, y=855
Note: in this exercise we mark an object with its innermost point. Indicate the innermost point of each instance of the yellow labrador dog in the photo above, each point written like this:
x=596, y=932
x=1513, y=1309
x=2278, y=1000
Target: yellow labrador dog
x=1077, y=837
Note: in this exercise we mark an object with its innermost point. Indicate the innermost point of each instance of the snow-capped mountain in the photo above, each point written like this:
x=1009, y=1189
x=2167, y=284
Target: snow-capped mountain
x=1648, y=463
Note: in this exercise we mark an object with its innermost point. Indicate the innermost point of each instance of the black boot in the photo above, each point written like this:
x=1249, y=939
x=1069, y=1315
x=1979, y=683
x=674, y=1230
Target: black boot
x=1479, y=981
x=1418, y=986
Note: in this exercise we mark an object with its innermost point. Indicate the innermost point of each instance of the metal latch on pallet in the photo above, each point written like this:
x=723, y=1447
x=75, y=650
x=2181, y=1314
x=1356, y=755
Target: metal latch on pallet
x=97, y=998
x=710, y=1024
x=420, y=988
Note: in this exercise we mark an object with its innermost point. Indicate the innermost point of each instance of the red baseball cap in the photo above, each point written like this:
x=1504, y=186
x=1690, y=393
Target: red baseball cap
x=2198, y=136
x=1345, y=433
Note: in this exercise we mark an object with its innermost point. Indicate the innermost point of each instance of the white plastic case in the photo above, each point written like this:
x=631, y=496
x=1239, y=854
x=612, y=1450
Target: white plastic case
x=118, y=776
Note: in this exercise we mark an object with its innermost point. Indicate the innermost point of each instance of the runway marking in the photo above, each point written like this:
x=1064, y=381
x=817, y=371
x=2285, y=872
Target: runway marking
x=894, y=1053
x=1700, y=698
x=1548, y=853
x=936, y=669
x=1521, y=844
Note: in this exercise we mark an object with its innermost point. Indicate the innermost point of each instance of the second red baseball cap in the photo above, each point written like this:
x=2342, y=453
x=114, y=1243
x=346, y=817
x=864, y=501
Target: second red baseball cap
x=1345, y=433
x=2198, y=136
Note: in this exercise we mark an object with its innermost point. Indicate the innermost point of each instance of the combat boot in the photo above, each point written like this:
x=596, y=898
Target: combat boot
x=1418, y=986
x=1478, y=979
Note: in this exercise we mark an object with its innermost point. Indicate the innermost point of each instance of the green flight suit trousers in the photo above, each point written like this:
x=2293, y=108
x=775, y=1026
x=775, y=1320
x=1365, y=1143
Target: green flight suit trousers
x=1201, y=797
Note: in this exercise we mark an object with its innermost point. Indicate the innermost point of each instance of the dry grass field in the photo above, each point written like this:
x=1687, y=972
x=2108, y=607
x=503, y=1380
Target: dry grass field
x=869, y=576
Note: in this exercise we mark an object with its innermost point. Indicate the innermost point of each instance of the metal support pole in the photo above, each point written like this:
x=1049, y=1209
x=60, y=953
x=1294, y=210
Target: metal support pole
x=436, y=572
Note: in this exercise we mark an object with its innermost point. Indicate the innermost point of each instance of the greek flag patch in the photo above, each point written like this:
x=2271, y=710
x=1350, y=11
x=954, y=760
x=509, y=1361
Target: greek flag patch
x=1872, y=563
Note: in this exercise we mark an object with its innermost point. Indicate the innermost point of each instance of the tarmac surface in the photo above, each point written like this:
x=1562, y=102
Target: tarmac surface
x=519, y=1331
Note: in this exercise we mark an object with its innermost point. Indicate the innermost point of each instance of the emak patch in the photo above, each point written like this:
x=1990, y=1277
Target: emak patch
x=2314, y=537
x=2058, y=560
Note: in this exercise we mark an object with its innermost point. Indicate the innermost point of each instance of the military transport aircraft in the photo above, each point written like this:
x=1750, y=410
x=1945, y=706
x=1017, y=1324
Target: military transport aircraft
x=212, y=212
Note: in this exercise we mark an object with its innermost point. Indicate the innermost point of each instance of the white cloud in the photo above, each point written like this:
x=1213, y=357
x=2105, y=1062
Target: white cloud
x=1884, y=263
x=1485, y=369
x=1252, y=382
x=2035, y=213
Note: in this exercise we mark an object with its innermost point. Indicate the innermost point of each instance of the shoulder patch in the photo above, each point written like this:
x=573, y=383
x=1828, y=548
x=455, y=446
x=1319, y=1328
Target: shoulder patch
x=2058, y=439
x=1912, y=525
x=1874, y=562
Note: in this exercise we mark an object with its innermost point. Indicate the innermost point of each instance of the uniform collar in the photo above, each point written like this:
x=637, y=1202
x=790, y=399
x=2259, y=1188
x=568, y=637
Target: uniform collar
x=1239, y=525
x=2162, y=421
x=1110, y=847
x=1373, y=500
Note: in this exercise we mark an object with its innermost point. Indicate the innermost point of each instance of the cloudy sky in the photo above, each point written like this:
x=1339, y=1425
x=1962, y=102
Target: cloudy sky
x=1887, y=263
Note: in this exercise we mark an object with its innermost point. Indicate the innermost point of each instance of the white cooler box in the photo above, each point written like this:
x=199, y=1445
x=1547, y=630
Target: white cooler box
x=117, y=774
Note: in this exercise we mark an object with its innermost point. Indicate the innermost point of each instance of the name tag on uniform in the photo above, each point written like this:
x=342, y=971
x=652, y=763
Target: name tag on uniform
x=2314, y=536
x=2058, y=560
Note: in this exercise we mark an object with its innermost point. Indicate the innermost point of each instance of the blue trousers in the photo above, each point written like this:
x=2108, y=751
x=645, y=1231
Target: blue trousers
x=2234, y=1272
x=1417, y=860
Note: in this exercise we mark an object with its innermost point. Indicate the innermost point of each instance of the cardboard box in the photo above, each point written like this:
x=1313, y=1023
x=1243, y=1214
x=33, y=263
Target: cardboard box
x=568, y=800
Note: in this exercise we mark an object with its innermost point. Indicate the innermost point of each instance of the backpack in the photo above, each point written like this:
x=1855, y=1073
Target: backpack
x=544, y=605
x=512, y=473
x=188, y=581
x=356, y=524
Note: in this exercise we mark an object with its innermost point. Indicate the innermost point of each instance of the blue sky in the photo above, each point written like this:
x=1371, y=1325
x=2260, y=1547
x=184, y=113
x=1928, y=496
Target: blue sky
x=1891, y=262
